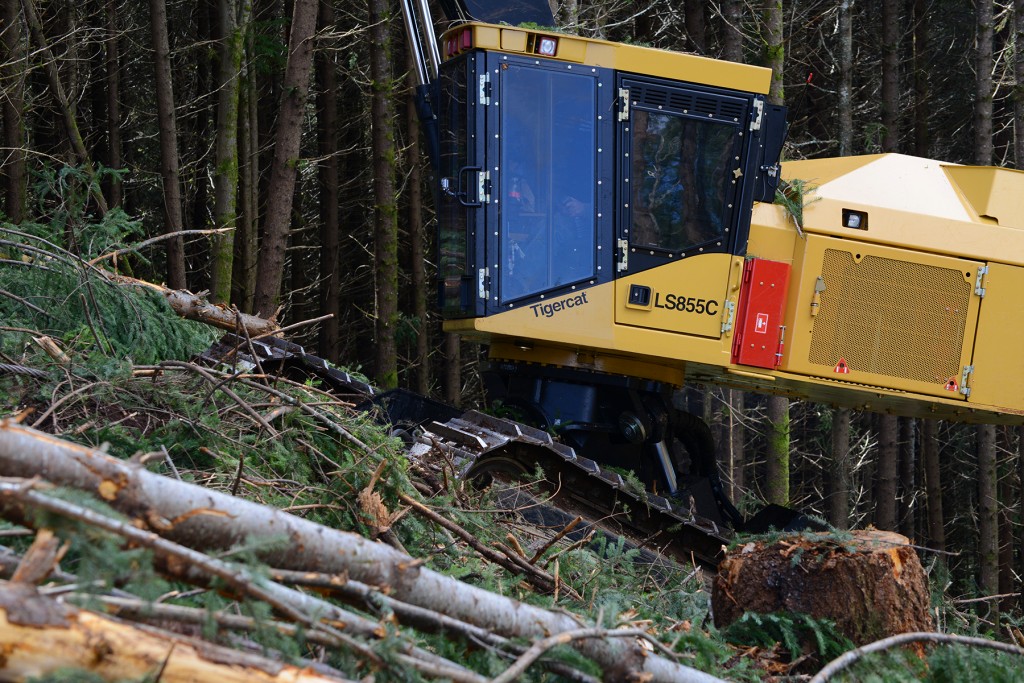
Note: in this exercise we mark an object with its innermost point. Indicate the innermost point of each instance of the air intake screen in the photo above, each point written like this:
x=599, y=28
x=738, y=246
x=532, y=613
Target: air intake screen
x=891, y=317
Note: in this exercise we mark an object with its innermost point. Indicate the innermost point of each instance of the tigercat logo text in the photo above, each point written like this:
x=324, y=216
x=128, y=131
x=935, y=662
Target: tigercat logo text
x=550, y=309
x=686, y=304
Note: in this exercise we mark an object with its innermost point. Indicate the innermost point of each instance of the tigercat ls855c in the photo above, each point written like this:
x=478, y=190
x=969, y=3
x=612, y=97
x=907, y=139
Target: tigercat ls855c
x=606, y=226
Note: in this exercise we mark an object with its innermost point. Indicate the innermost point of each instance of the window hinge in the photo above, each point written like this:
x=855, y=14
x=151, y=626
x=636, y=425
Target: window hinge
x=964, y=378
x=623, y=263
x=623, y=104
x=755, y=124
x=978, y=288
x=485, y=89
x=483, y=283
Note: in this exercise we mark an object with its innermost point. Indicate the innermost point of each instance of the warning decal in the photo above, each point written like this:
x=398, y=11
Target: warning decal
x=952, y=384
x=842, y=368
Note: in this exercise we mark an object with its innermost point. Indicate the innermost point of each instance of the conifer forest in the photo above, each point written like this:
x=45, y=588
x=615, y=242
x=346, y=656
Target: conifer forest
x=177, y=170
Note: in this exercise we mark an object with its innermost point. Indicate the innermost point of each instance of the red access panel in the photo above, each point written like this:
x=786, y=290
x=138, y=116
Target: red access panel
x=760, y=334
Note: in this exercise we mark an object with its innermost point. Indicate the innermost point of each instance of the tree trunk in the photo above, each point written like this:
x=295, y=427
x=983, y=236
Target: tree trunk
x=906, y=513
x=417, y=241
x=696, y=33
x=845, y=104
x=922, y=103
x=777, y=454
x=12, y=75
x=983, y=92
x=1009, y=491
x=988, y=512
x=887, y=472
x=208, y=520
x=840, y=474
x=225, y=174
x=775, y=48
x=1018, y=91
x=452, y=369
x=933, y=485
x=168, y=125
x=243, y=278
x=732, y=30
x=330, y=203
x=112, y=61
x=385, y=214
x=871, y=586
x=41, y=635
x=735, y=443
x=891, y=32
x=281, y=191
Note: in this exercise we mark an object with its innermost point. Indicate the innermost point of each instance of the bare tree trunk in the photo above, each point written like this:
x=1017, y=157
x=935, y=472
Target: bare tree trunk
x=168, y=125
x=887, y=472
x=735, y=442
x=330, y=203
x=907, y=509
x=922, y=104
x=112, y=61
x=452, y=369
x=1009, y=491
x=696, y=33
x=280, y=195
x=988, y=512
x=732, y=30
x=243, y=278
x=845, y=105
x=225, y=174
x=775, y=48
x=418, y=241
x=840, y=474
x=777, y=454
x=385, y=214
x=1018, y=91
x=933, y=485
x=983, y=92
x=891, y=32
x=12, y=75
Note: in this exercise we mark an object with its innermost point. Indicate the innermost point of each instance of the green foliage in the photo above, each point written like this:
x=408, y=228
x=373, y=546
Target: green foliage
x=792, y=195
x=794, y=631
x=57, y=294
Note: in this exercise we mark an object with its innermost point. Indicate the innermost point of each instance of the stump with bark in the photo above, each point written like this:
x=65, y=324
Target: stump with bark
x=870, y=583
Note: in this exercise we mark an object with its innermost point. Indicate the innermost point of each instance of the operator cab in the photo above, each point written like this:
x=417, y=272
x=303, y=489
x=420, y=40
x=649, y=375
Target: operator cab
x=557, y=175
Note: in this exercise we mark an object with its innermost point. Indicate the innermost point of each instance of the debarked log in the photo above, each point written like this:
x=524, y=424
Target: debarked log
x=870, y=583
x=39, y=635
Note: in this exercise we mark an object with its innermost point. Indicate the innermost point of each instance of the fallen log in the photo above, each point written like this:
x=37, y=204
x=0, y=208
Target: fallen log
x=196, y=307
x=870, y=583
x=39, y=635
x=208, y=520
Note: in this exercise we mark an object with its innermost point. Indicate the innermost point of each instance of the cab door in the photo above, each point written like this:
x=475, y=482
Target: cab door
x=684, y=203
x=547, y=165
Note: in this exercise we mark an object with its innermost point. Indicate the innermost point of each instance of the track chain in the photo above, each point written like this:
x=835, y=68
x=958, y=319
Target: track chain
x=473, y=441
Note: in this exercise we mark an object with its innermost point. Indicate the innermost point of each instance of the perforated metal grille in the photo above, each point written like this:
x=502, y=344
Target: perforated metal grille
x=891, y=317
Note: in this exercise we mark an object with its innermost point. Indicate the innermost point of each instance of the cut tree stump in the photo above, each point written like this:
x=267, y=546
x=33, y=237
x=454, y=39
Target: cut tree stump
x=870, y=583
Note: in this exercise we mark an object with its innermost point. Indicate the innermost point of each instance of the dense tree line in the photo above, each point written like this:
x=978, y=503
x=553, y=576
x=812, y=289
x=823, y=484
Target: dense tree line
x=283, y=131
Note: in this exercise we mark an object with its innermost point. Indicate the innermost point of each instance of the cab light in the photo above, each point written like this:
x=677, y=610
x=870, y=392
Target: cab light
x=547, y=46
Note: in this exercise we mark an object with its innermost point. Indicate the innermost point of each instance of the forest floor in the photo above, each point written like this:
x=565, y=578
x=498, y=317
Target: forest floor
x=369, y=564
